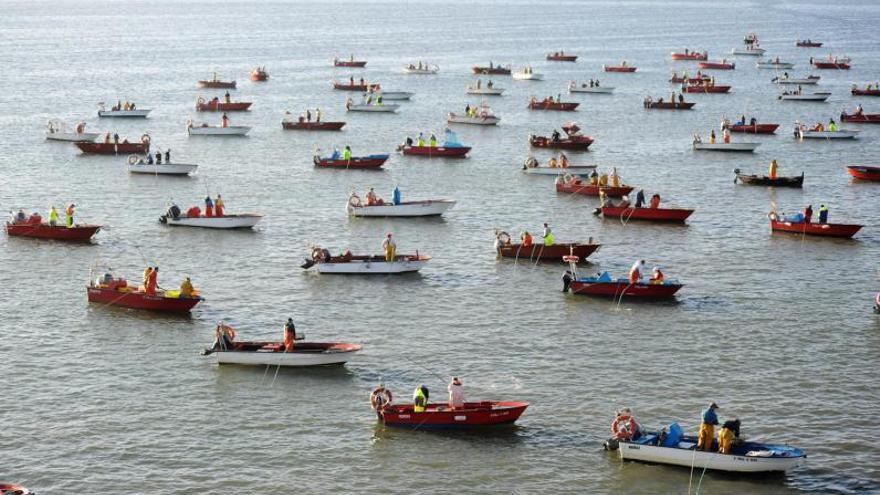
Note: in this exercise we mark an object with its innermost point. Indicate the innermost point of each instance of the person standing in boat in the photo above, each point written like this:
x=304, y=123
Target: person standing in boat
x=227, y=97
x=209, y=206
x=395, y=196
x=547, y=235
x=567, y=278
x=318, y=115
x=707, y=428
x=146, y=276
x=389, y=248
x=728, y=436
x=420, y=141
x=640, y=198
x=186, y=288
x=218, y=206
x=432, y=141
x=224, y=120
x=772, y=172
x=346, y=153
x=808, y=213
x=168, y=156
x=53, y=216
x=308, y=115
x=823, y=214
x=289, y=335
x=636, y=272
x=68, y=215
x=420, y=399
x=152, y=281
x=456, y=394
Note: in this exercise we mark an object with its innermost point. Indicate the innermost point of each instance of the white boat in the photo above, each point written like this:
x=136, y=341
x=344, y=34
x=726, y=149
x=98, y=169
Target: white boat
x=396, y=95
x=839, y=134
x=141, y=167
x=527, y=74
x=773, y=64
x=216, y=130
x=482, y=116
x=424, y=208
x=126, y=114
x=749, y=51
x=484, y=90
x=819, y=96
x=730, y=147
x=421, y=69
x=363, y=265
x=372, y=107
x=272, y=354
x=796, y=80
x=56, y=131
x=239, y=221
x=574, y=87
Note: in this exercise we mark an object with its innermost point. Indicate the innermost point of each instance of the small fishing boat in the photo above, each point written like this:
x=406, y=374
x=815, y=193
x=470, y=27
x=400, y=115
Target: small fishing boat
x=123, y=114
x=225, y=221
x=618, y=68
x=395, y=95
x=860, y=118
x=650, y=104
x=833, y=64
x=648, y=214
x=10, y=489
x=689, y=55
x=369, y=162
x=361, y=86
x=215, y=83
x=843, y=230
x=481, y=115
x=774, y=64
x=550, y=104
x=118, y=293
x=441, y=416
x=479, y=89
x=753, y=51
x=755, y=128
x=259, y=74
x=605, y=286
x=862, y=172
x=137, y=165
x=205, y=129
x=706, y=88
x=868, y=91
x=527, y=74
x=678, y=79
x=121, y=148
x=350, y=106
x=39, y=230
x=574, y=87
x=555, y=252
x=729, y=147
x=216, y=105
x=423, y=208
x=573, y=140
x=303, y=125
x=444, y=151
x=801, y=132
x=531, y=166
x=797, y=96
x=576, y=185
x=351, y=62
x=491, y=69
x=273, y=354
x=56, y=131
x=722, y=65
x=807, y=44
x=811, y=79
x=763, y=180
x=561, y=57
x=425, y=70
x=364, y=264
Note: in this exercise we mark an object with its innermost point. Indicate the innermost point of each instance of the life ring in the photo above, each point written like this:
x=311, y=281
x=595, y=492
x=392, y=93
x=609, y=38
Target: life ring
x=354, y=201
x=132, y=159
x=530, y=162
x=145, y=139
x=200, y=101
x=318, y=254
x=380, y=398
x=504, y=237
x=567, y=178
x=624, y=427
x=772, y=216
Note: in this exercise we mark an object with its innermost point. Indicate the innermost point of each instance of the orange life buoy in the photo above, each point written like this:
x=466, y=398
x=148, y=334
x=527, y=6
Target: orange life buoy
x=624, y=427
x=230, y=332
x=145, y=139
x=380, y=398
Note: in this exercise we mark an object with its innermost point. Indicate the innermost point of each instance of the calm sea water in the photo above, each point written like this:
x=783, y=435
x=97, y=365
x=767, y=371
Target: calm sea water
x=777, y=329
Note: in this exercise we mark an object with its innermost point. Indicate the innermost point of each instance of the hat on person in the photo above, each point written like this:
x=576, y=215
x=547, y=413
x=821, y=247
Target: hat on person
x=713, y=406
x=456, y=381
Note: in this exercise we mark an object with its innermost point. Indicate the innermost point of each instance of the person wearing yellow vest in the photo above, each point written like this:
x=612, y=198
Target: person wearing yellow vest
x=707, y=428
x=346, y=153
x=147, y=272
x=420, y=399
x=53, y=216
x=432, y=142
x=773, y=166
x=547, y=235
x=728, y=436
x=832, y=125
x=420, y=141
x=823, y=214
x=68, y=215
x=389, y=248
x=186, y=288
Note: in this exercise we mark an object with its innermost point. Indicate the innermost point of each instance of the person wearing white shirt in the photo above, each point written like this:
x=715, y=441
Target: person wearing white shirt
x=456, y=394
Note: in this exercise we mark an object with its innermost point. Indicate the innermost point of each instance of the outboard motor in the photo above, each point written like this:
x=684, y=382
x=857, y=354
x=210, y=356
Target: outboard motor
x=611, y=444
x=174, y=211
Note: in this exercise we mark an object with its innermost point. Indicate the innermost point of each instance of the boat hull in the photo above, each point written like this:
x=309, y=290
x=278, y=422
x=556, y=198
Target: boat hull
x=706, y=89
x=271, y=354
x=163, y=169
x=485, y=91
x=541, y=252
x=370, y=162
x=574, y=88
x=436, y=151
x=221, y=106
x=865, y=92
x=355, y=87
x=427, y=208
x=864, y=118
x=581, y=143
x=828, y=134
x=622, y=288
x=763, y=180
x=590, y=190
x=753, y=129
x=123, y=114
x=77, y=233
x=648, y=214
x=241, y=221
x=669, y=105
x=611, y=68
x=113, y=149
x=396, y=95
x=562, y=58
x=716, y=66
x=805, y=97
x=461, y=119
x=498, y=71
x=831, y=65
x=775, y=66
x=390, y=108
x=749, y=52
x=802, y=81
x=842, y=230
x=689, y=457
x=349, y=63
x=216, y=84
x=689, y=56
x=534, y=76
x=441, y=416
x=864, y=173
x=233, y=130
x=72, y=137
x=549, y=105
x=312, y=126
x=140, y=300
x=373, y=265
x=727, y=147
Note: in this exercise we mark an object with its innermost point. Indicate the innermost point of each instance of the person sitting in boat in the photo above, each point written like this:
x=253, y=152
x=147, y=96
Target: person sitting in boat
x=224, y=337
x=530, y=162
x=818, y=127
x=707, y=428
x=772, y=172
x=547, y=235
x=625, y=426
x=456, y=394
x=420, y=398
x=555, y=137
x=526, y=239
x=615, y=179
x=656, y=276
x=859, y=111
x=346, y=153
x=35, y=219
x=372, y=200
x=832, y=125
x=623, y=203
x=450, y=139
x=655, y=201
x=563, y=161
x=640, y=198
x=604, y=200
x=490, y=84
x=728, y=436
x=742, y=120
x=594, y=178
x=432, y=141
x=552, y=163
x=186, y=288
x=19, y=217
x=289, y=335
x=389, y=248
x=603, y=180
x=335, y=154
x=395, y=196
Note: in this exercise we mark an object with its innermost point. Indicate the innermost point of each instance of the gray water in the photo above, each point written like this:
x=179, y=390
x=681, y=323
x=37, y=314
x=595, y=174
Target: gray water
x=777, y=329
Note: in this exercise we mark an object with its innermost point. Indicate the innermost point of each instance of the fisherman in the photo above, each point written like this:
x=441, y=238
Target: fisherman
x=625, y=426
x=20, y=217
x=289, y=335
x=526, y=239
x=146, y=277
x=594, y=178
x=346, y=153
x=832, y=125
x=707, y=428
x=224, y=120
x=640, y=198
x=68, y=215
x=808, y=213
x=395, y=195
x=655, y=201
x=728, y=436
x=152, y=281
x=656, y=276
x=555, y=137
x=712, y=137
x=158, y=158
x=420, y=141
x=227, y=97
x=567, y=278
x=772, y=171
x=547, y=235
x=308, y=115
x=389, y=248
x=218, y=206
x=636, y=272
x=224, y=336
x=209, y=206
x=615, y=179
x=420, y=399
x=563, y=160
x=432, y=142
x=186, y=288
x=456, y=393
x=149, y=158
x=168, y=156
x=372, y=200
x=317, y=115
x=823, y=214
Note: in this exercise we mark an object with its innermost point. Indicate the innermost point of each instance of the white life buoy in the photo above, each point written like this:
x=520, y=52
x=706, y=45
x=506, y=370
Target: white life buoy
x=354, y=201
x=380, y=398
x=504, y=237
x=145, y=139
x=132, y=159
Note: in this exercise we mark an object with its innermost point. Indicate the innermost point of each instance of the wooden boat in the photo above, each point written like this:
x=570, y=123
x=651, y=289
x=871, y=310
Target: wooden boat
x=273, y=354
x=763, y=180
x=492, y=69
x=539, y=251
x=482, y=116
x=239, y=221
x=559, y=106
x=355, y=86
x=122, y=148
x=371, y=107
x=531, y=166
x=751, y=128
x=526, y=74
x=817, y=96
x=10, y=489
x=807, y=44
x=729, y=147
x=441, y=416
x=668, y=105
x=690, y=56
x=435, y=151
x=809, y=80
x=573, y=87
x=831, y=64
x=706, y=88
x=423, y=208
x=618, y=68
x=561, y=57
x=395, y=95
x=803, y=133
x=749, y=51
x=575, y=185
x=216, y=84
x=844, y=230
x=599, y=286
x=865, y=92
x=60, y=232
x=369, y=162
x=722, y=65
x=863, y=118
x=217, y=105
x=128, y=297
x=677, y=79
x=483, y=90
x=648, y=214
x=774, y=64
x=862, y=172
x=365, y=265
x=259, y=74
x=124, y=114
x=573, y=140
x=302, y=125
x=426, y=70
x=137, y=165
x=349, y=63
x=205, y=129
x=56, y=131
x=747, y=457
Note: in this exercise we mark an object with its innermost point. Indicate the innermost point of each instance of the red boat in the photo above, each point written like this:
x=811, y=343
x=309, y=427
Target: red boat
x=259, y=74
x=494, y=70
x=435, y=151
x=216, y=105
x=561, y=57
x=618, y=68
x=818, y=229
x=370, y=162
x=863, y=118
x=690, y=56
x=217, y=84
x=649, y=214
x=129, y=298
x=349, y=63
x=541, y=252
x=808, y=44
x=10, y=489
x=441, y=416
x=552, y=105
x=77, y=233
x=573, y=140
x=864, y=173
x=123, y=148
x=312, y=126
x=669, y=105
x=819, y=64
x=723, y=65
x=690, y=80
x=355, y=86
x=752, y=128
x=595, y=286
x=865, y=92
x=577, y=186
x=706, y=88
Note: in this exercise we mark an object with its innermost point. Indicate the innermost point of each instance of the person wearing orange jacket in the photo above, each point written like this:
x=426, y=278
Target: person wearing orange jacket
x=68, y=215
x=289, y=335
x=218, y=206
x=152, y=281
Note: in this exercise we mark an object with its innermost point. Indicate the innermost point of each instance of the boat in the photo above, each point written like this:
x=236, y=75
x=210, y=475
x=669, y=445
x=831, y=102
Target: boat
x=56, y=131
x=123, y=114
x=678, y=79
x=561, y=57
x=119, y=293
x=369, y=162
x=205, y=129
x=843, y=230
x=109, y=148
x=729, y=147
x=216, y=105
x=868, y=91
x=137, y=165
x=361, y=86
x=860, y=118
x=259, y=74
x=774, y=64
x=681, y=450
x=763, y=180
x=351, y=62
x=831, y=64
x=800, y=81
x=531, y=166
x=175, y=218
x=350, y=106
x=479, y=89
x=273, y=354
x=749, y=51
x=426, y=69
x=575, y=185
x=705, y=88
x=801, y=132
x=807, y=44
x=550, y=104
x=443, y=151
x=556, y=251
x=649, y=214
x=364, y=264
x=481, y=115
x=527, y=74
x=215, y=83
x=755, y=128
x=863, y=172
x=573, y=140
x=39, y=230
x=302, y=124
x=395, y=95
x=618, y=68
x=10, y=489
x=689, y=55
x=441, y=416
x=650, y=104
x=722, y=65
x=421, y=208
x=796, y=96
x=491, y=69
x=605, y=286
x=574, y=87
